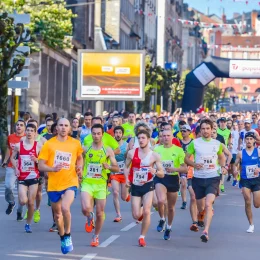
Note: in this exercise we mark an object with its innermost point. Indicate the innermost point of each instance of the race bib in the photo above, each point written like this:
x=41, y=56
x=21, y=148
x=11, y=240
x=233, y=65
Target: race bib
x=121, y=166
x=250, y=171
x=140, y=177
x=62, y=158
x=27, y=164
x=209, y=163
x=167, y=164
x=94, y=170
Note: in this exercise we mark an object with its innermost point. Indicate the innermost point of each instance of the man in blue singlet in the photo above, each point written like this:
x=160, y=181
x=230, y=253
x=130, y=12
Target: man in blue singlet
x=248, y=159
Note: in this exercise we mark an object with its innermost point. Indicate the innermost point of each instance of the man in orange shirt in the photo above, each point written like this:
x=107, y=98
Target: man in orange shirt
x=10, y=177
x=61, y=157
x=115, y=122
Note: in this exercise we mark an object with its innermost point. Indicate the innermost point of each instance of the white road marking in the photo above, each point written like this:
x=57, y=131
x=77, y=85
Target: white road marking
x=128, y=227
x=109, y=241
x=49, y=253
x=21, y=255
x=89, y=257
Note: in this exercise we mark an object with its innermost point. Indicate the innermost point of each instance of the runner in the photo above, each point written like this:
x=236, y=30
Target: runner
x=62, y=158
x=209, y=157
x=186, y=139
x=118, y=178
x=27, y=171
x=139, y=173
x=99, y=158
x=48, y=135
x=129, y=126
x=167, y=188
x=10, y=177
x=85, y=129
x=115, y=123
x=75, y=128
x=248, y=158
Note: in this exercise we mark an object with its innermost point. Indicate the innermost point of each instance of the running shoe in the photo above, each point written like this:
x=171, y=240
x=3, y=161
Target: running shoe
x=10, y=208
x=194, y=227
x=204, y=237
x=228, y=178
x=128, y=198
x=53, y=228
x=95, y=241
x=25, y=215
x=118, y=219
x=251, y=229
x=36, y=216
x=161, y=225
x=19, y=217
x=201, y=216
x=142, y=242
x=67, y=245
x=27, y=228
x=184, y=205
x=234, y=183
x=167, y=234
x=140, y=219
x=222, y=188
x=90, y=223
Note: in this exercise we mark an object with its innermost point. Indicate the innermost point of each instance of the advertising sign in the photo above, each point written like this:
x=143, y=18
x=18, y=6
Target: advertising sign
x=244, y=69
x=111, y=75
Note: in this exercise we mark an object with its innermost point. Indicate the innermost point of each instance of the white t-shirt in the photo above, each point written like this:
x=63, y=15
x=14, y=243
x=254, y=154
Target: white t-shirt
x=235, y=139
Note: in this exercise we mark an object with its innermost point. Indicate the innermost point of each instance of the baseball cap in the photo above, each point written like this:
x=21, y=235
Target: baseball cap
x=147, y=116
x=250, y=134
x=248, y=121
x=186, y=127
x=223, y=119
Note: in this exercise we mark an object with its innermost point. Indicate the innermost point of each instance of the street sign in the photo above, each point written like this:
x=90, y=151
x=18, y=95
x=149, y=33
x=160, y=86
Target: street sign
x=18, y=92
x=18, y=84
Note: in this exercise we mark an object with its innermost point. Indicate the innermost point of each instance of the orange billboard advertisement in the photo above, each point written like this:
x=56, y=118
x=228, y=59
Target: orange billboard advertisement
x=111, y=75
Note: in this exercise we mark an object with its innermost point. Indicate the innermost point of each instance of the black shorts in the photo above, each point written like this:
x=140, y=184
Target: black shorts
x=140, y=191
x=171, y=182
x=234, y=157
x=29, y=182
x=189, y=183
x=202, y=187
x=251, y=184
x=41, y=180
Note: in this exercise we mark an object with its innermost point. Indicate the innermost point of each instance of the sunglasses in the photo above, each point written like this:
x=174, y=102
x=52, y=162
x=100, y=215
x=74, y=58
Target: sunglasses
x=183, y=131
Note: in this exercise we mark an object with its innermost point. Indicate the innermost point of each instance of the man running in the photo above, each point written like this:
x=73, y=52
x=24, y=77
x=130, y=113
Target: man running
x=85, y=129
x=61, y=157
x=167, y=188
x=129, y=126
x=27, y=171
x=209, y=161
x=10, y=177
x=99, y=161
x=248, y=158
x=118, y=178
x=139, y=173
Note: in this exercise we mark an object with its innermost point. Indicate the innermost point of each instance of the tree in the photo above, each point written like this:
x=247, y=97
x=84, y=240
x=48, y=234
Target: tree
x=50, y=22
x=211, y=95
x=177, y=88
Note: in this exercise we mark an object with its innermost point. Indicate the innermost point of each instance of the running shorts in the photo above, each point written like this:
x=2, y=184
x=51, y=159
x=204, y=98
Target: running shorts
x=189, y=183
x=204, y=186
x=140, y=191
x=234, y=157
x=118, y=177
x=29, y=182
x=171, y=182
x=251, y=184
x=55, y=196
x=96, y=191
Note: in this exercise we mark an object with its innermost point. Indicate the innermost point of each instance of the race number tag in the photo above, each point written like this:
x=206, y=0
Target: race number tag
x=209, y=163
x=121, y=166
x=250, y=171
x=94, y=170
x=167, y=164
x=27, y=164
x=140, y=177
x=62, y=158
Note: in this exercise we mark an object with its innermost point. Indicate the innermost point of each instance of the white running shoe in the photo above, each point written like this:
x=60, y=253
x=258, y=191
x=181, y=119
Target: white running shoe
x=251, y=229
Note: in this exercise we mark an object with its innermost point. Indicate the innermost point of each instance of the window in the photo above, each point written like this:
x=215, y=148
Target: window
x=253, y=81
x=245, y=55
x=230, y=55
x=238, y=81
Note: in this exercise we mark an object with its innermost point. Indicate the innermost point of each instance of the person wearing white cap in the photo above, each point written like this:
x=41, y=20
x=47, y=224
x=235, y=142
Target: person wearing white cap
x=248, y=128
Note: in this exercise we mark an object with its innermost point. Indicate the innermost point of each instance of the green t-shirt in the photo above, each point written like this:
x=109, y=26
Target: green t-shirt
x=225, y=133
x=129, y=129
x=107, y=140
x=171, y=157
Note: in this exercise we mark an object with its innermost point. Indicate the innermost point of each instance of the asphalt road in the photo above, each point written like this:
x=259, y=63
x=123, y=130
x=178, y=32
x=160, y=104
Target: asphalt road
x=228, y=237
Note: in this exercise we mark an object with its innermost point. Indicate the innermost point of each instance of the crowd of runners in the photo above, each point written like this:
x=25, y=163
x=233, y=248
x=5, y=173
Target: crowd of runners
x=146, y=160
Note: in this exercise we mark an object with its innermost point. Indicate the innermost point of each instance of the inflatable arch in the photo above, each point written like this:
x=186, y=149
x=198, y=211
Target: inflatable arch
x=211, y=68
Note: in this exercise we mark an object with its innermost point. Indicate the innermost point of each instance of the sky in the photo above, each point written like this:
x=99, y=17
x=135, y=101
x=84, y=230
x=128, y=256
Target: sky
x=216, y=6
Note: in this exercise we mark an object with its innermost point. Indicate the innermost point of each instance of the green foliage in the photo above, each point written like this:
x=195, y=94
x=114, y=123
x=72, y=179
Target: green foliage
x=211, y=95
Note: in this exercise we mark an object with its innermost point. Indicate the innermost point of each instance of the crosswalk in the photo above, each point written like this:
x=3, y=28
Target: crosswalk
x=2, y=190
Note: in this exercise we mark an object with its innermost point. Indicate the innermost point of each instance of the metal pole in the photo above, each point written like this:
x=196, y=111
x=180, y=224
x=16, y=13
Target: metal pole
x=16, y=108
x=12, y=111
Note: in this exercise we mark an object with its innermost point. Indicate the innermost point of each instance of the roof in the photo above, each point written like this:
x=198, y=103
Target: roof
x=203, y=18
x=243, y=41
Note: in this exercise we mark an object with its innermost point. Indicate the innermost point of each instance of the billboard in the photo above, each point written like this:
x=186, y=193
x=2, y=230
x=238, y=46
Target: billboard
x=111, y=75
x=244, y=69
